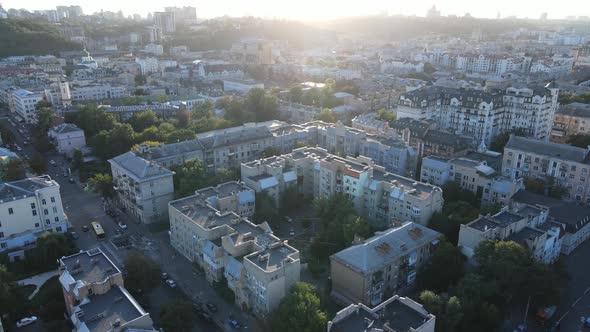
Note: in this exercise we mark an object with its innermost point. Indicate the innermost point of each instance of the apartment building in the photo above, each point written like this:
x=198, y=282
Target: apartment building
x=484, y=115
x=258, y=266
x=568, y=165
x=165, y=21
x=394, y=314
x=426, y=140
x=384, y=198
x=253, y=51
x=298, y=113
x=23, y=103
x=523, y=224
x=219, y=71
x=370, y=124
x=96, y=299
x=97, y=92
x=67, y=137
x=230, y=197
x=573, y=218
x=571, y=119
x=29, y=208
x=486, y=183
x=143, y=188
x=387, y=262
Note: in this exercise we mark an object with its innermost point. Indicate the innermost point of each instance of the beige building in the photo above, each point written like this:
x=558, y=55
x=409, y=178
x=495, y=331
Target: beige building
x=387, y=262
x=143, y=188
x=394, y=314
x=384, y=198
x=96, y=300
x=258, y=266
x=568, y=165
x=569, y=120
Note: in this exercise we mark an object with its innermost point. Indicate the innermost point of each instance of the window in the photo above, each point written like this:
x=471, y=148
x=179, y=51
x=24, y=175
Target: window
x=56, y=219
x=47, y=221
x=54, y=209
x=58, y=229
x=45, y=212
x=1, y=234
x=10, y=211
x=52, y=199
x=3, y=245
x=43, y=201
x=32, y=205
x=34, y=212
x=36, y=225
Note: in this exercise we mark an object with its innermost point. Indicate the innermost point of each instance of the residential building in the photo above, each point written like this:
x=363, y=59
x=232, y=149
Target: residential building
x=154, y=49
x=426, y=140
x=253, y=51
x=298, y=113
x=29, y=208
x=154, y=33
x=571, y=119
x=387, y=262
x=98, y=92
x=219, y=71
x=568, y=165
x=394, y=314
x=525, y=224
x=258, y=266
x=165, y=21
x=483, y=115
x=23, y=103
x=230, y=197
x=95, y=297
x=384, y=198
x=574, y=219
x=475, y=176
x=143, y=187
x=186, y=14
x=369, y=123
x=148, y=65
x=67, y=138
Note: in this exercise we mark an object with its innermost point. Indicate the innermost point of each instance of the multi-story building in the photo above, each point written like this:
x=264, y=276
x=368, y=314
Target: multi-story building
x=472, y=175
x=98, y=92
x=241, y=86
x=230, y=197
x=384, y=198
x=23, y=103
x=67, y=138
x=29, y=208
x=569, y=120
x=165, y=21
x=219, y=71
x=148, y=65
x=96, y=299
x=256, y=51
x=484, y=115
x=387, y=262
x=155, y=49
x=186, y=14
x=258, y=266
x=568, y=165
x=369, y=123
x=525, y=224
x=298, y=113
x=143, y=188
x=426, y=140
x=394, y=314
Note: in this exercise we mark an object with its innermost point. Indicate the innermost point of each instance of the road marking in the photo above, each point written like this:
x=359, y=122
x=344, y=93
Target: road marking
x=573, y=305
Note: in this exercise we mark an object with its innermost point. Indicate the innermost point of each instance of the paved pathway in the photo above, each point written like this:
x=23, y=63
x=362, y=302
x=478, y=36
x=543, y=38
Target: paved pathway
x=37, y=280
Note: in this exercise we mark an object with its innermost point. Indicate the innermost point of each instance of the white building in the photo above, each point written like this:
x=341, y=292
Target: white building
x=148, y=65
x=23, y=102
x=154, y=49
x=241, y=86
x=97, y=92
x=67, y=138
x=28, y=208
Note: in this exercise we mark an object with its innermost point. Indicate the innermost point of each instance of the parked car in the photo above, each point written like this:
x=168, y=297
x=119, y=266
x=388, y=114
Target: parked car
x=171, y=283
x=122, y=225
x=289, y=219
x=71, y=180
x=164, y=276
x=521, y=328
x=291, y=232
x=212, y=307
x=26, y=321
x=85, y=228
x=18, y=148
x=234, y=323
x=65, y=174
x=74, y=235
x=204, y=316
x=52, y=162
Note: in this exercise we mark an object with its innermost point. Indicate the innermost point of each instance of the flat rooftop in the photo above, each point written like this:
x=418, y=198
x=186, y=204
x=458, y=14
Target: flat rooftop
x=90, y=266
x=505, y=218
x=104, y=310
x=195, y=209
x=10, y=191
x=272, y=258
x=395, y=316
x=483, y=224
x=527, y=233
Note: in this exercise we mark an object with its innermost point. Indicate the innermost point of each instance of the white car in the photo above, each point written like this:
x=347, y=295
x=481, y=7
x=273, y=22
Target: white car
x=122, y=225
x=170, y=283
x=52, y=162
x=26, y=321
x=291, y=232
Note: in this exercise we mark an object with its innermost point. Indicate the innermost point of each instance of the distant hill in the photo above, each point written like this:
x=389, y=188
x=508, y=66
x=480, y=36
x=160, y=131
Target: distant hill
x=25, y=37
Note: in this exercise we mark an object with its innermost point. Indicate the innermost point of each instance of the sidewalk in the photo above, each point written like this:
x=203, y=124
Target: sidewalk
x=37, y=280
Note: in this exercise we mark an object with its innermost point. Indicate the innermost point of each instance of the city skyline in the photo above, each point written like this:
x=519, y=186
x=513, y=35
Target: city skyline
x=329, y=9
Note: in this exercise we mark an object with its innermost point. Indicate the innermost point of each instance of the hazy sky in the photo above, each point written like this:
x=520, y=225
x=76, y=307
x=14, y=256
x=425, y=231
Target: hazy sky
x=321, y=9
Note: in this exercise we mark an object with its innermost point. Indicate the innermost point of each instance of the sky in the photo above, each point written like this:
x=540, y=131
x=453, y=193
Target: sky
x=326, y=9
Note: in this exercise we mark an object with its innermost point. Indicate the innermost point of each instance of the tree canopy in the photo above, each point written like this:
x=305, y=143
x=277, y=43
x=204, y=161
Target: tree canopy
x=177, y=316
x=28, y=37
x=103, y=184
x=142, y=273
x=300, y=311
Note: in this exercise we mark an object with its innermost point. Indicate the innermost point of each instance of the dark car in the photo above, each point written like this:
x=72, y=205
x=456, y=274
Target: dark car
x=85, y=228
x=212, y=307
x=204, y=316
x=71, y=180
x=74, y=235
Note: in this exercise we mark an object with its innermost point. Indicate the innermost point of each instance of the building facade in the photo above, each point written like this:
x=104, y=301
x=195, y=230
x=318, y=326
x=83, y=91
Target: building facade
x=29, y=208
x=67, y=138
x=569, y=120
x=23, y=103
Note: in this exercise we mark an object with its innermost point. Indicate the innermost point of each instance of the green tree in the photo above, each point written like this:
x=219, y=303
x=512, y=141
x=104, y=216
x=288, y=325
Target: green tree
x=42, y=104
x=444, y=269
x=234, y=112
x=177, y=316
x=326, y=115
x=13, y=302
x=38, y=163
x=262, y=105
x=94, y=120
x=579, y=140
x=103, y=184
x=14, y=170
x=300, y=311
x=50, y=247
x=77, y=159
x=121, y=139
x=448, y=311
x=203, y=109
x=500, y=141
x=429, y=68
x=140, y=79
x=180, y=135
x=295, y=94
x=142, y=273
x=142, y=120
x=265, y=210
x=385, y=115
x=152, y=133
